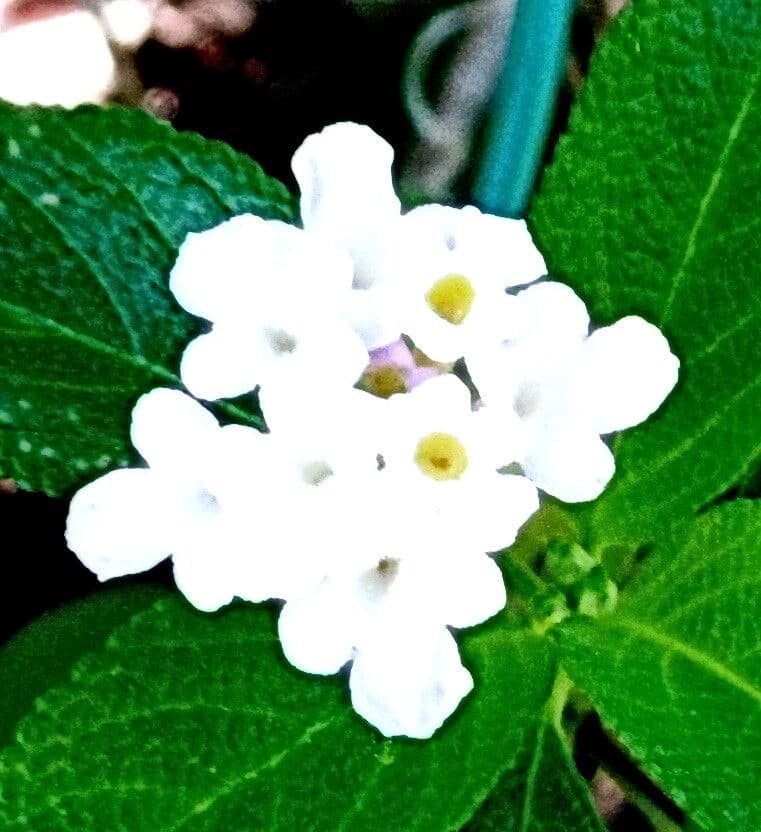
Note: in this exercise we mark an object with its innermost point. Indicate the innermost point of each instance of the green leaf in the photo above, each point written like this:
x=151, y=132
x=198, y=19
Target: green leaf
x=676, y=671
x=192, y=722
x=43, y=654
x=652, y=207
x=93, y=206
x=545, y=793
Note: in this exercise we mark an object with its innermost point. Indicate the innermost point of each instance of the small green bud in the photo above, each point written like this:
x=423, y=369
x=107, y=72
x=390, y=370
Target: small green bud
x=550, y=608
x=597, y=594
x=567, y=563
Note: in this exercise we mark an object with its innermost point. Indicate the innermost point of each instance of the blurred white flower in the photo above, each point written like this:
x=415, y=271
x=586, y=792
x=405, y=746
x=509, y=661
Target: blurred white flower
x=129, y=22
x=568, y=387
x=60, y=59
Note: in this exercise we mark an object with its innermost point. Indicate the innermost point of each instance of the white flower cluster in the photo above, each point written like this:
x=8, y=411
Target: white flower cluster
x=372, y=518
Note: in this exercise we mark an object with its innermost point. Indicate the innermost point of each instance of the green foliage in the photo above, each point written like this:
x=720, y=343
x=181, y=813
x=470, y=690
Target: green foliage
x=675, y=673
x=544, y=793
x=43, y=653
x=93, y=206
x=190, y=721
x=652, y=207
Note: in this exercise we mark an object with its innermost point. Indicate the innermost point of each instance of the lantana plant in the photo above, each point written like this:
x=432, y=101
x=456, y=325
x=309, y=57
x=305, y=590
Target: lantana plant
x=438, y=487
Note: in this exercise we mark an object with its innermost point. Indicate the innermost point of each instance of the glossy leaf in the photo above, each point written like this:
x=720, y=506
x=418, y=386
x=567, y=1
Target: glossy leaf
x=194, y=722
x=93, y=206
x=675, y=672
x=652, y=207
x=43, y=654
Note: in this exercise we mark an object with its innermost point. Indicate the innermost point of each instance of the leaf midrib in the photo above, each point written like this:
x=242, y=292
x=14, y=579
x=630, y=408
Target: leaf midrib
x=707, y=198
x=166, y=376
x=698, y=657
x=231, y=786
x=23, y=313
x=82, y=257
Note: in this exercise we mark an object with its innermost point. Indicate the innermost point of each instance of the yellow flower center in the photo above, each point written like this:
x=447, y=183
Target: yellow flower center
x=441, y=456
x=451, y=298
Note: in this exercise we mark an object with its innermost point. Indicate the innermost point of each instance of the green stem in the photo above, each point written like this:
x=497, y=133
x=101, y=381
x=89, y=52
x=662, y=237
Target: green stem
x=523, y=105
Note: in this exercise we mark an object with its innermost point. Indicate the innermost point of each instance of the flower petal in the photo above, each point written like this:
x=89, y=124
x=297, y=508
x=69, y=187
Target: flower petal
x=408, y=680
x=374, y=313
x=344, y=174
x=509, y=243
x=214, y=269
x=218, y=365
x=316, y=632
x=551, y=313
x=205, y=573
x=628, y=370
x=499, y=251
x=572, y=466
x=168, y=426
x=118, y=524
x=223, y=274
x=499, y=509
x=468, y=588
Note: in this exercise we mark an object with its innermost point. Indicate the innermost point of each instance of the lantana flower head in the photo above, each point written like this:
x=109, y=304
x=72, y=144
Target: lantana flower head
x=371, y=516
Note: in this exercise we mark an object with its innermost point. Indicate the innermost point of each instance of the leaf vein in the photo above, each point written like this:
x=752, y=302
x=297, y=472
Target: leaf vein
x=707, y=198
x=83, y=258
x=709, y=664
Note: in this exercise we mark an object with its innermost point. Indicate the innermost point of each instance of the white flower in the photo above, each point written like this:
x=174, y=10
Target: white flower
x=341, y=424
x=406, y=558
x=129, y=520
x=344, y=174
x=129, y=22
x=373, y=519
x=273, y=293
x=445, y=457
x=408, y=680
x=387, y=611
x=56, y=59
x=568, y=387
x=457, y=265
x=212, y=498
x=348, y=198
x=437, y=274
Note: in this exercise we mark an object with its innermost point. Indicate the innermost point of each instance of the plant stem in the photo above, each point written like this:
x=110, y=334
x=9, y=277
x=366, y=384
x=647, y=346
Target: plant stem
x=523, y=105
